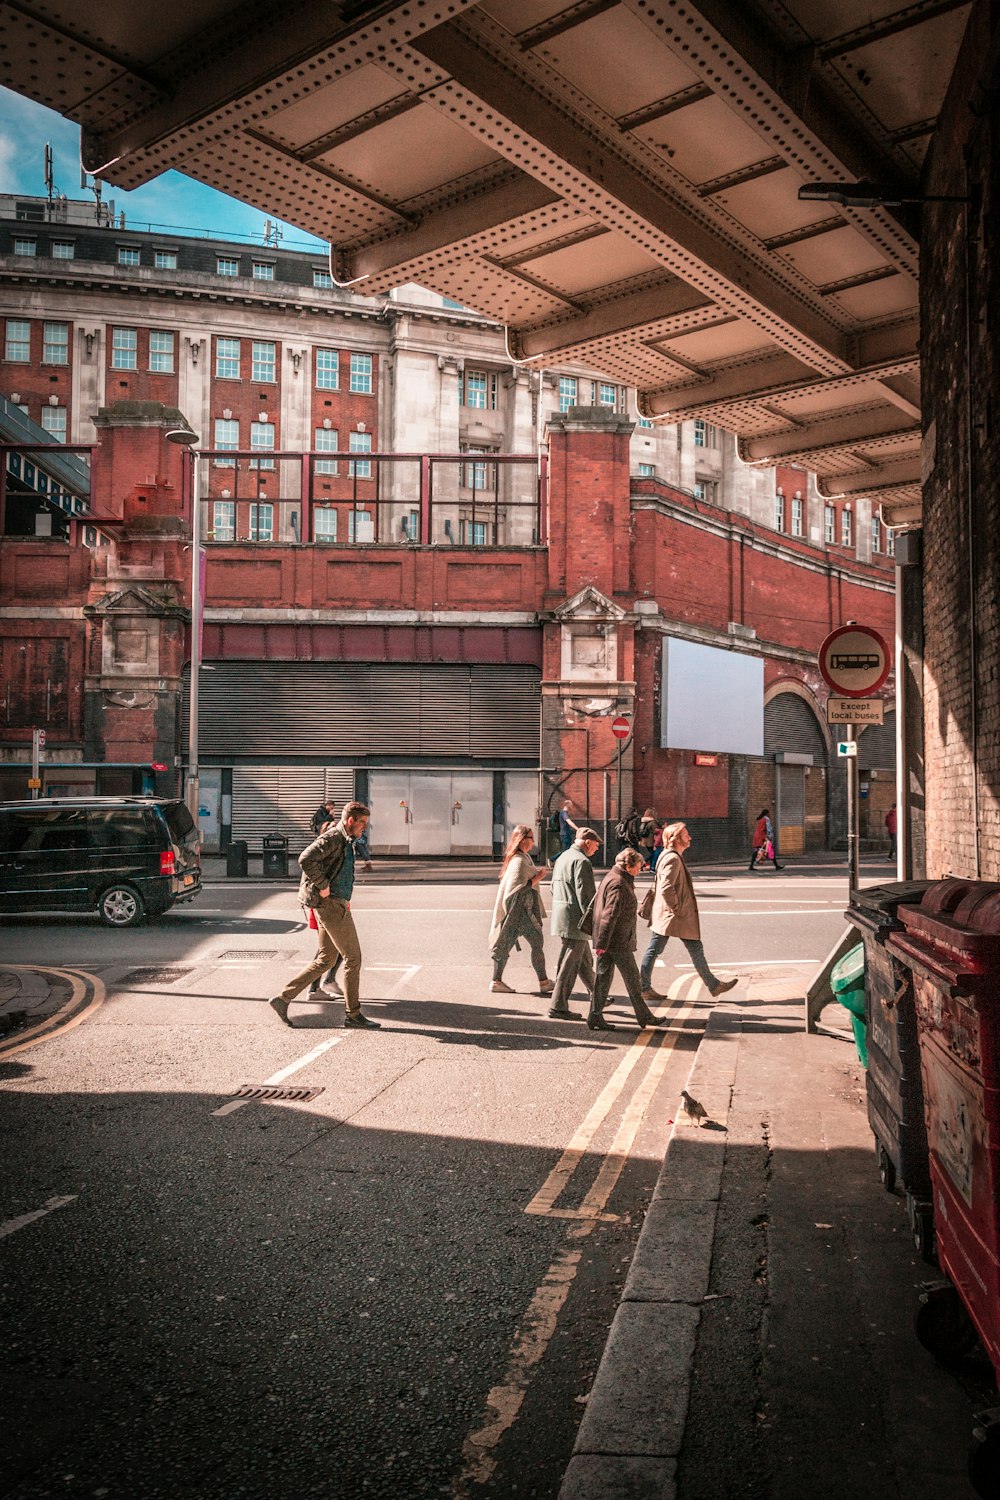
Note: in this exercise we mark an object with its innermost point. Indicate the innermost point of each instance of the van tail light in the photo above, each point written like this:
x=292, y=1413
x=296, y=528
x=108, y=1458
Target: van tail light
x=167, y=862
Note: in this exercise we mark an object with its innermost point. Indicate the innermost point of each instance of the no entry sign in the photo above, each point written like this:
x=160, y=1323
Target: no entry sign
x=621, y=727
x=854, y=661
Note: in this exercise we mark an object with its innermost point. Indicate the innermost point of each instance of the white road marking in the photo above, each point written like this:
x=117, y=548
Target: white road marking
x=51, y=1204
x=282, y=1074
x=753, y=963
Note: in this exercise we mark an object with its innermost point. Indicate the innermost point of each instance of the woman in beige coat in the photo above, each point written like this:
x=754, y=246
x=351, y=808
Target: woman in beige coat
x=518, y=911
x=675, y=914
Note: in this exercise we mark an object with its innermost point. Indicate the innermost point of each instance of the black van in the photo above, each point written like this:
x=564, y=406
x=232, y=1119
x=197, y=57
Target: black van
x=123, y=857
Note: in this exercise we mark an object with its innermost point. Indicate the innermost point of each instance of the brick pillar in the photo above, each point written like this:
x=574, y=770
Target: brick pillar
x=589, y=637
x=137, y=608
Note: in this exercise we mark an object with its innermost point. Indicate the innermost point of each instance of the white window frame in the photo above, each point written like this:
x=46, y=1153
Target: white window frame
x=846, y=528
x=830, y=525
x=64, y=250
x=54, y=420
x=645, y=422
x=224, y=361
x=607, y=394
x=25, y=246
x=798, y=516
x=262, y=441
x=261, y=521
x=890, y=542
x=779, y=511
x=55, y=351
x=227, y=265
x=568, y=388
x=18, y=341
x=322, y=279
x=700, y=432
x=325, y=523
x=226, y=435
x=361, y=374
x=124, y=348
x=129, y=255
x=360, y=442
x=263, y=270
x=363, y=520
x=647, y=471
x=161, y=351
x=165, y=260
x=327, y=371
x=224, y=520
x=326, y=440
x=876, y=534
x=264, y=364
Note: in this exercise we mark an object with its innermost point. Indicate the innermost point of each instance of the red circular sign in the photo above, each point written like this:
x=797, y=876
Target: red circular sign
x=621, y=727
x=854, y=661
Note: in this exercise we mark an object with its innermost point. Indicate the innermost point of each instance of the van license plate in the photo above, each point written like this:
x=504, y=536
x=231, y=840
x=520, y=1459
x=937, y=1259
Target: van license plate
x=189, y=880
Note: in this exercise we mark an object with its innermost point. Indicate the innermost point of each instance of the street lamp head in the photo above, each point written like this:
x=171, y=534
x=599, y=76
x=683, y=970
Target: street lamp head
x=852, y=194
x=182, y=436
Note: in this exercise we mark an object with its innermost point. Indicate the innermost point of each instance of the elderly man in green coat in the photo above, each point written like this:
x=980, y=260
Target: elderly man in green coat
x=573, y=886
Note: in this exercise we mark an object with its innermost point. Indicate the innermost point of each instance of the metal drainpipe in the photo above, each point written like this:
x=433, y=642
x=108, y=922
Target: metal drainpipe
x=970, y=528
x=904, y=857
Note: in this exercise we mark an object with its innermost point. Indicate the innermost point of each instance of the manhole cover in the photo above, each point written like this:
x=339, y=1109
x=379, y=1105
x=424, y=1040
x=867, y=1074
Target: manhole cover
x=154, y=976
x=245, y=953
x=271, y=1091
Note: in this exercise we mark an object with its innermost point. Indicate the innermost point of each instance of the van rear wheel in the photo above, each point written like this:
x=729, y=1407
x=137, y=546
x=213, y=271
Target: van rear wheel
x=121, y=906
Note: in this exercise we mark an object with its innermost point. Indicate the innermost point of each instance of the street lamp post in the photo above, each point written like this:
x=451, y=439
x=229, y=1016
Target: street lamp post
x=185, y=437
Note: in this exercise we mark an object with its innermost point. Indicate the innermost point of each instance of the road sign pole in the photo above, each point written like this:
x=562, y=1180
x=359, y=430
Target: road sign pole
x=620, y=747
x=853, y=812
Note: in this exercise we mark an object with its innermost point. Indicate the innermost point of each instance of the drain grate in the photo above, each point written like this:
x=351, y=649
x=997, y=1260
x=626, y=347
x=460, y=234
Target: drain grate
x=270, y=1091
x=153, y=975
x=245, y=953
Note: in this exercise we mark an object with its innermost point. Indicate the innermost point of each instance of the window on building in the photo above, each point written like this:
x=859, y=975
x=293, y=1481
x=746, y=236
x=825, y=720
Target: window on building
x=263, y=270
x=17, y=346
x=262, y=521
x=410, y=526
x=480, y=390
x=321, y=278
x=845, y=527
x=325, y=440
x=361, y=374
x=706, y=489
x=54, y=422
x=645, y=422
x=830, y=523
x=876, y=534
x=360, y=526
x=128, y=255
x=124, y=343
x=227, y=359
x=475, y=533
x=55, y=344
x=647, y=471
x=165, y=260
x=224, y=519
x=261, y=441
x=779, y=512
x=567, y=392
x=478, y=475
x=360, y=442
x=797, y=516
x=227, y=436
x=324, y=524
x=607, y=395
x=890, y=542
x=227, y=265
x=63, y=250
x=699, y=433
x=263, y=366
x=327, y=370
x=24, y=246
x=161, y=352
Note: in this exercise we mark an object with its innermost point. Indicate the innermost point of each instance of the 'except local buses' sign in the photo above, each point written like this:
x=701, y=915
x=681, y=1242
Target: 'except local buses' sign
x=854, y=661
x=855, y=711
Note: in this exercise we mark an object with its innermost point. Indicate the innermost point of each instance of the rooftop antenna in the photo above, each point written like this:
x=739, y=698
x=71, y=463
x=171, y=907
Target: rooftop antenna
x=50, y=189
x=273, y=232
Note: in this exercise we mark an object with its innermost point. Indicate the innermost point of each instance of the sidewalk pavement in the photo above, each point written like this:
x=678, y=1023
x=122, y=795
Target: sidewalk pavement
x=764, y=1344
x=31, y=997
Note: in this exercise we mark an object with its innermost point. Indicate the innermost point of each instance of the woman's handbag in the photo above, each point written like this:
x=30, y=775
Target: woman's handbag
x=646, y=906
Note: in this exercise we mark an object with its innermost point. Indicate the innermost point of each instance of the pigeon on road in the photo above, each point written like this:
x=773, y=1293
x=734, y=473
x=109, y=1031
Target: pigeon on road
x=693, y=1109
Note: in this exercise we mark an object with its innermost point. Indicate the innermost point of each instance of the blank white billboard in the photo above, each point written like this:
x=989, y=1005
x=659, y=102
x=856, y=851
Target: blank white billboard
x=711, y=699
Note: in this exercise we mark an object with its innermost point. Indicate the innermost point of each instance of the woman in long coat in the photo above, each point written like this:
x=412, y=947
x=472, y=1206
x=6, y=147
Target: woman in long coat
x=675, y=914
x=615, y=909
x=518, y=911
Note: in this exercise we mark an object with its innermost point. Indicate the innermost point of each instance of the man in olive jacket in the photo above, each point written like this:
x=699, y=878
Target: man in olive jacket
x=573, y=887
x=327, y=886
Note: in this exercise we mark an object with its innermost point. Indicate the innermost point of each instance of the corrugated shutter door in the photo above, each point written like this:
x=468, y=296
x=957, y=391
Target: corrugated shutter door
x=276, y=799
x=418, y=710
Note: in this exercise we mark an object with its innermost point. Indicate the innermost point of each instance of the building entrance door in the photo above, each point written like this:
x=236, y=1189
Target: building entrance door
x=790, y=809
x=430, y=812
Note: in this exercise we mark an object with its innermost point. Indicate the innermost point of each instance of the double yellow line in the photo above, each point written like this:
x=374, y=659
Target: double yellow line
x=87, y=994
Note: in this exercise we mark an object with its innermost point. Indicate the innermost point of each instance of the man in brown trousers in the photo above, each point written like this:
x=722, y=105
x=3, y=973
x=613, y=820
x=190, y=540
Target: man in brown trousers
x=327, y=886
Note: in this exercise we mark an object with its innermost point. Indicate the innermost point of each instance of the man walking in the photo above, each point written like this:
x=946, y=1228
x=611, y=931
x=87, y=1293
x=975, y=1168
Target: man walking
x=573, y=887
x=326, y=886
x=891, y=824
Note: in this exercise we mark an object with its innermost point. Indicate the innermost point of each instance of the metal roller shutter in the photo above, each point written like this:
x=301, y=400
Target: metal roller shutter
x=276, y=799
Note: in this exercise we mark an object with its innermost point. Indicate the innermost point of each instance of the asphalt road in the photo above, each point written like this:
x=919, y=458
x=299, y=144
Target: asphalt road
x=400, y=1287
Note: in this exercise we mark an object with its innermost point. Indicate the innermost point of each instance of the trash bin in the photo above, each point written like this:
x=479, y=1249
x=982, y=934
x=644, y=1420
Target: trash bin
x=894, y=1087
x=275, y=854
x=236, y=858
x=951, y=943
x=847, y=980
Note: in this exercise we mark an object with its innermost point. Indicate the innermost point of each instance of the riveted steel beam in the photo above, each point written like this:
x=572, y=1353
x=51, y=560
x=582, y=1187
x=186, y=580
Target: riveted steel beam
x=637, y=311
x=852, y=429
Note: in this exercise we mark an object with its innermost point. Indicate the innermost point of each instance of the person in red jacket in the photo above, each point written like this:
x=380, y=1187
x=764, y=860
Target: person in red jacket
x=890, y=828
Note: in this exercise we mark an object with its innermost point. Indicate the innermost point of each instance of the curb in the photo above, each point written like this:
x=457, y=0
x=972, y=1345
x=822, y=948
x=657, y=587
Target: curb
x=651, y=1344
x=88, y=996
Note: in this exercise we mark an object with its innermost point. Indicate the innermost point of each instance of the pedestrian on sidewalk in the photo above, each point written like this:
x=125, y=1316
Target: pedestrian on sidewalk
x=326, y=887
x=675, y=914
x=325, y=814
x=891, y=825
x=567, y=828
x=647, y=835
x=573, y=888
x=614, y=914
x=763, y=842
x=518, y=911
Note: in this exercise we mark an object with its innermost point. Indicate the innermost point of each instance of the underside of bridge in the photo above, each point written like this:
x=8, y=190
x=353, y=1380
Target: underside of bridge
x=615, y=180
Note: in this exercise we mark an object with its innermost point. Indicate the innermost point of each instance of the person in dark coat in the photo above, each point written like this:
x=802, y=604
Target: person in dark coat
x=324, y=814
x=615, y=910
x=573, y=889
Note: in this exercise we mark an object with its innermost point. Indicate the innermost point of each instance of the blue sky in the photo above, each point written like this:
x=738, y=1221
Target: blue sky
x=173, y=200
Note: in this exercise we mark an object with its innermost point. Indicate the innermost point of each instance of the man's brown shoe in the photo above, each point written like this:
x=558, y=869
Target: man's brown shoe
x=280, y=1008
x=723, y=986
